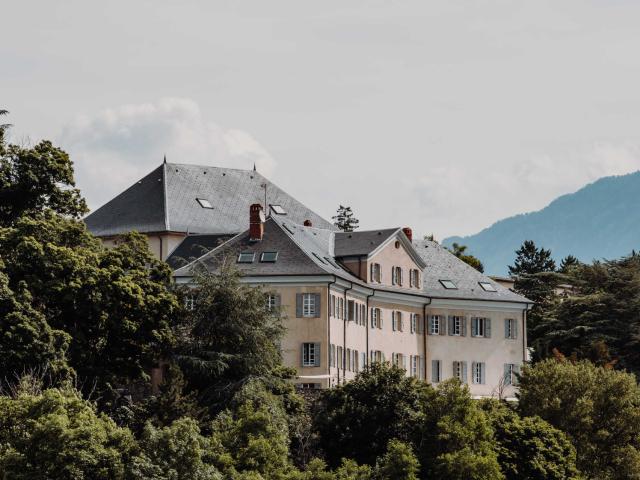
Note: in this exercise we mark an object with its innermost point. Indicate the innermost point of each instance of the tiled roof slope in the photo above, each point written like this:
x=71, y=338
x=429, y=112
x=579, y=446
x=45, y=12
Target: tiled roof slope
x=443, y=265
x=165, y=200
x=361, y=243
x=193, y=247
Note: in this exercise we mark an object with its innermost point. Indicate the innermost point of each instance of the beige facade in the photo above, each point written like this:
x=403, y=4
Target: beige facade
x=160, y=244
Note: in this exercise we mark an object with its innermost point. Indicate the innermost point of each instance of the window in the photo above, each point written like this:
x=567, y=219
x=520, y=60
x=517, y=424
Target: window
x=477, y=373
x=481, y=327
x=273, y=301
x=396, y=276
x=414, y=323
x=414, y=278
x=396, y=321
x=511, y=371
x=436, y=371
x=308, y=386
x=488, y=287
x=510, y=328
x=399, y=360
x=363, y=359
x=348, y=359
x=375, y=272
x=414, y=366
x=310, y=354
x=190, y=303
x=457, y=326
x=351, y=310
x=376, y=318
x=448, y=284
x=340, y=308
x=340, y=358
x=204, y=203
x=460, y=371
x=435, y=325
x=332, y=306
x=269, y=256
x=308, y=305
x=246, y=257
x=332, y=355
x=277, y=209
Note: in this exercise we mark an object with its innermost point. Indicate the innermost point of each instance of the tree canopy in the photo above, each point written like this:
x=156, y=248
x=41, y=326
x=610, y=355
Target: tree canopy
x=345, y=219
x=459, y=251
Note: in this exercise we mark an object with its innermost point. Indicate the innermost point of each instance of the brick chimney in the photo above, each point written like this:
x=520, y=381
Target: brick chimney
x=256, y=225
x=307, y=223
x=409, y=233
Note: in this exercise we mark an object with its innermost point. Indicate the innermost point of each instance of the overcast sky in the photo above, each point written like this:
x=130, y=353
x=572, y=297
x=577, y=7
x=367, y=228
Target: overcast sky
x=444, y=116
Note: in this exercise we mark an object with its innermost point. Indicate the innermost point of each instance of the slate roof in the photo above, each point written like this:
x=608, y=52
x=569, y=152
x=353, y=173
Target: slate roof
x=444, y=265
x=193, y=247
x=361, y=243
x=165, y=200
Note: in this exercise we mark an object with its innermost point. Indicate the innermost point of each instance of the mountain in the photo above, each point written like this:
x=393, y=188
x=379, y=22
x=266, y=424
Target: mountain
x=601, y=220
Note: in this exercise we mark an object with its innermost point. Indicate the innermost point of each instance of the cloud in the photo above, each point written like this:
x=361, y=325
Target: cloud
x=473, y=196
x=113, y=148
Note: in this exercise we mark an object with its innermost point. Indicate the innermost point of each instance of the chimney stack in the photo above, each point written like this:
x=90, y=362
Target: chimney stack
x=307, y=223
x=409, y=233
x=256, y=222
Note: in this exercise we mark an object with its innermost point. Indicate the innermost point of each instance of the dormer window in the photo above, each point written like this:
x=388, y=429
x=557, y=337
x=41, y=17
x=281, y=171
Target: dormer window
x=375, y=272
x=204, y=203
x=396, y=276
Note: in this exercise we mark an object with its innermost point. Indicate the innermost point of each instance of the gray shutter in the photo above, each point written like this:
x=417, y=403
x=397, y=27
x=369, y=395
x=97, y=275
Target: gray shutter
x=435, y=378
x=464, y=372
x=278, y=300
x=482, y=373
x=474, y=327
x=380, y=319
x=316, y=312
x=422, y=366
x=515, y=328
x=430, y=325
x=371, y=272
x=507, y=378
x=506, y=328
x=516, y=370
x=318, y=354
x=298, y=305
x=450, y=322
x=455, y=364
x=464, y=326
x=443, y=325
x=393, y=320
x=302, y=356
x=371, y=318
x=473, y=372
x=487, y=328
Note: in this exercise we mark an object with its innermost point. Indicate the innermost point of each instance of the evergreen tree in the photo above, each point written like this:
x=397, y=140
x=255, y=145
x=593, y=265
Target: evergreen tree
x=398, y=463
x=459, y=251
x=531, y=260
x=567, y=263
x=345, y=219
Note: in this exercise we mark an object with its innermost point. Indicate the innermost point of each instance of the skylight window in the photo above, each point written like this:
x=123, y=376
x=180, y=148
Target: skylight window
x=246, y=257
x=204, y=203
x=448, y=284
x=319, y=258
x=332, y=262
x=488, y=287
x=278, y=209
x=269, y=256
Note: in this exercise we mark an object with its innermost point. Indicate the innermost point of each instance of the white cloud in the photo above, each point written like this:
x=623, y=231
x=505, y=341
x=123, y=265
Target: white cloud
x=113, y=148
x=472, y=197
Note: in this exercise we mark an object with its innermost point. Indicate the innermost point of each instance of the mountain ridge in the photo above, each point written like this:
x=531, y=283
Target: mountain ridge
x=600, y=220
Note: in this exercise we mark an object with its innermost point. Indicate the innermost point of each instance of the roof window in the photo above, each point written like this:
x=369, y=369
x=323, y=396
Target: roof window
x=331, y=262
x=278, y=210
x=448, y=284
x=269, y=256
x=246, y=257
x=204, y=203
x=319, y=258
x=487, y=287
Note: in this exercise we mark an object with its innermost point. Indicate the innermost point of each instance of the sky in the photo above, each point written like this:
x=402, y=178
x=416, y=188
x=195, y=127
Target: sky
x=443, y=116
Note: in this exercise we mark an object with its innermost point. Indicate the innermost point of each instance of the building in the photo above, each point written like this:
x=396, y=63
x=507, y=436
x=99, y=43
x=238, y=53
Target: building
x=348, y=298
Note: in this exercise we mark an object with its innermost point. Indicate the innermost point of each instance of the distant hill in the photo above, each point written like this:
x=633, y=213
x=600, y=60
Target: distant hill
x=601, y=220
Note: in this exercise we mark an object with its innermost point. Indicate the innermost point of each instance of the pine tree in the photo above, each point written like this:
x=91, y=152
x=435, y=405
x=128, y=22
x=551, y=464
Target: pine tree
x=345, y=220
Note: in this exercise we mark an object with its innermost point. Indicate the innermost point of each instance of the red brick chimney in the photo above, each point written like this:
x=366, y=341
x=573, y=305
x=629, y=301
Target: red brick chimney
x=409, y=233
x=256, y=223
x=307, y=223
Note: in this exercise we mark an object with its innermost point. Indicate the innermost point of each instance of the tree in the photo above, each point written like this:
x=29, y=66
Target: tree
x=115, y=304
x=56, y=434
x=530, y=260
x=567, y=263
x=398, y=463
x=3, y=128
x=459, y=251
x=455, y=440
x=529, y=447
x=232, y=337
x=598, y=408
x=357, y=420
x=35, y=179
x=345, y=220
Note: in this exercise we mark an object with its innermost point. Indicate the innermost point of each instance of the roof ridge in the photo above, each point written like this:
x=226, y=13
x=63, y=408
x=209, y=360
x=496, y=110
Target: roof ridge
x=164, y=195
x=394, y=229
x=210, y=166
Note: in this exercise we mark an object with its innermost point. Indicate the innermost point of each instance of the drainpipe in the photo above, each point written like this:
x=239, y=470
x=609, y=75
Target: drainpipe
x=329, y=328
x=524, y=334
x=344, y=332
x=425, y=326
x=367, y=326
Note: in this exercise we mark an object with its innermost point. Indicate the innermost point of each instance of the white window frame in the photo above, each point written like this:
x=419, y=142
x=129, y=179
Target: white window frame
x=271, y=301
x=477, y=373
x=190, y=302
x=309, y=354
x=511, y=329
x=414, y=323
x=415, y=366
x=376, y=273
x=458, y=371
x=308, y=305
x=435, y=324
x=480, y=327
x=457, y=326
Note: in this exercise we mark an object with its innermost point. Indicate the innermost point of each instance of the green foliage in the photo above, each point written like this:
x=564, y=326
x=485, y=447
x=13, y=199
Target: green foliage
x=357, y=420
x=531, y=259
x=35, y=179
x=58, y=435
x=529, y=447
x=345, y=219
x=459, y=251
x=398, y=463
x=598, y=408
x=567, y=263
x=231, y=337
x=455, y=440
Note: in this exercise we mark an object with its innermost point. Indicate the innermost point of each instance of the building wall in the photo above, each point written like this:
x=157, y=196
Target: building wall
x=392, y=254
x=160, y=244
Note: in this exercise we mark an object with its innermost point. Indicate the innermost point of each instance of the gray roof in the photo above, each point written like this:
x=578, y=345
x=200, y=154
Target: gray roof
x=444, y=265
x=165, y=200
x=193, y=247
x=361, y=243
